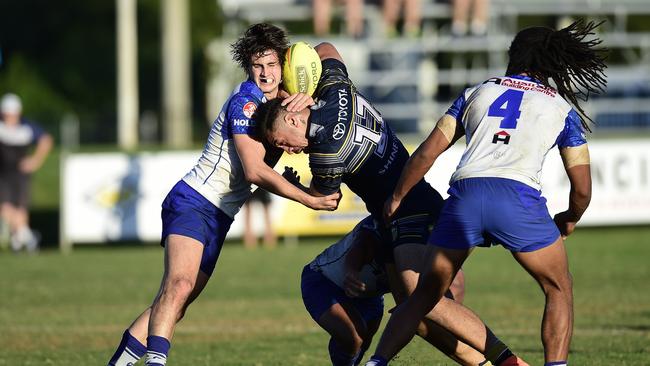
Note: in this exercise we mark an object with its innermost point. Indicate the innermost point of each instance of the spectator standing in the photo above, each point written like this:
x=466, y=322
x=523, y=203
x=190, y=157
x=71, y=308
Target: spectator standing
x=412, y=17
x=250, y=238
x=460, y=23
x=322, y=13
x=17, y=136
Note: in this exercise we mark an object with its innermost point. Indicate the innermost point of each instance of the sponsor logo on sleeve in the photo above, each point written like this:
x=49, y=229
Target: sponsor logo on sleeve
x=241, y=122
x=248, y=109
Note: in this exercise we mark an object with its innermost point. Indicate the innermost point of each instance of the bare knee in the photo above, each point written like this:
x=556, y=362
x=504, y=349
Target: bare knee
x=558, y=286
x=178, y=290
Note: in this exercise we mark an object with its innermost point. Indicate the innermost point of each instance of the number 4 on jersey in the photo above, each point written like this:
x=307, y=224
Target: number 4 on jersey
x=507, y=106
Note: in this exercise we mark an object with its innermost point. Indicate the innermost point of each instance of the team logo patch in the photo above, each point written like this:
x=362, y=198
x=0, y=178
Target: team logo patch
x=339, y=131
x=249, y=109
x=501, y=136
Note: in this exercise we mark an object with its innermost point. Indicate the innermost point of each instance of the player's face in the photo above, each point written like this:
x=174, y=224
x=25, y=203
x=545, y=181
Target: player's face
x=290, y=134
x=266, y=71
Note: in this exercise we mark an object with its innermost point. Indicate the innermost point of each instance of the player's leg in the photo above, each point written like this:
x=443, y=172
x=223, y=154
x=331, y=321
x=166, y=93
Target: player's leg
x=549, y=267
x=432, y=285
x=327, y=305
x=457, y=288
x=182, y=261
x=132, y=346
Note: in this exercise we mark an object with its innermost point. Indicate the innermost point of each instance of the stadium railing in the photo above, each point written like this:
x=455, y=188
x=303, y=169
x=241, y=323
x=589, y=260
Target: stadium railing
x=413, y=80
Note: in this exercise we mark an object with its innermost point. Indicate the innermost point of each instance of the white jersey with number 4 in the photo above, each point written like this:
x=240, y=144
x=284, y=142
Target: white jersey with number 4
x=510, y=125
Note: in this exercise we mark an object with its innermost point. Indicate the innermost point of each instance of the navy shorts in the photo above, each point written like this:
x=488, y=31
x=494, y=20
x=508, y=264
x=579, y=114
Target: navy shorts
x=186, y=212
x=319, y=294
x=486, y=211
x=414, y=219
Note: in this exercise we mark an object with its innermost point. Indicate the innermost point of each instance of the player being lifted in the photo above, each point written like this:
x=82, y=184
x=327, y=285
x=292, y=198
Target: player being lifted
x=348, y=142
x=199, y=209
x=510, y=123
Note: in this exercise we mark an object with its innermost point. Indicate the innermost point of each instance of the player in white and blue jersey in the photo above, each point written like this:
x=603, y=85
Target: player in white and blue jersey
x=349, y=142
x=510, y=123
x=200, y=208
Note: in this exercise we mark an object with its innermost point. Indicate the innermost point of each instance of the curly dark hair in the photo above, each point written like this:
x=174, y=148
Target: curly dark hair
x=257, y=39
x=574, y=64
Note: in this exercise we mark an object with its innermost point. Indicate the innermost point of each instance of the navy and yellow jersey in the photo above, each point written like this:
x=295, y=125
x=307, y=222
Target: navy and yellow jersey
x=349, y=142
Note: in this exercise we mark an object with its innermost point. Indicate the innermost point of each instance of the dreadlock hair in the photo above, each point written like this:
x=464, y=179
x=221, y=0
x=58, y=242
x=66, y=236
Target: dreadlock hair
x=257, y=39
x=265, y=116
x=576, y=67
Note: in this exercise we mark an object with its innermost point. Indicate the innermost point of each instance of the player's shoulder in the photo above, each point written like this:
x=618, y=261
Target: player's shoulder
x=247, y=91
x=245, y=99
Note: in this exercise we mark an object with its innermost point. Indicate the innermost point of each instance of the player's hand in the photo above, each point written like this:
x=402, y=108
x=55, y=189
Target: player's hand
x=566, y=222
x=297, y=102
x=352, y=285
x=327, y=203
x=291, y=175
x=390, y=206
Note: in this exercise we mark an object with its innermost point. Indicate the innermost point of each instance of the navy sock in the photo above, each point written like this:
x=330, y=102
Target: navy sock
x=128, y=352
x=556, y=363
x=157, y=350
x=338, y=357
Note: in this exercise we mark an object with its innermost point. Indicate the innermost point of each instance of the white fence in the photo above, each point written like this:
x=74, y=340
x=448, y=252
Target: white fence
x=113, y=196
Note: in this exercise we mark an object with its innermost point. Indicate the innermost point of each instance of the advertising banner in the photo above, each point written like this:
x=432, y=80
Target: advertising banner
x=114, y=196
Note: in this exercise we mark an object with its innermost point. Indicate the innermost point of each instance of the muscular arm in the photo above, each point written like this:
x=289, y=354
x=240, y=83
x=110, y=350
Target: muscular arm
x=327, y=50
x=361, y=253
x=251, y=153
x=440, y=139
x=578, y=168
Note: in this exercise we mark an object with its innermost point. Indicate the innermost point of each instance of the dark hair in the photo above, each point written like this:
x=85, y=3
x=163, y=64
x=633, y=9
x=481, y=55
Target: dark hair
x=257, y=39
x=574, y=64
x=265, y=116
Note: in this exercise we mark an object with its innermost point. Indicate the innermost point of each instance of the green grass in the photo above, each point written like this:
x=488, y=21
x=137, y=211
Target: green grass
x=71, y=310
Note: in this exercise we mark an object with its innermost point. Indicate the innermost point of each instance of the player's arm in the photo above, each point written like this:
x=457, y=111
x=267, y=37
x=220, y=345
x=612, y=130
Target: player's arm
x=361, y=252
x=577, y=165
x=447, y=132
x=251, y=153
x=327, y=50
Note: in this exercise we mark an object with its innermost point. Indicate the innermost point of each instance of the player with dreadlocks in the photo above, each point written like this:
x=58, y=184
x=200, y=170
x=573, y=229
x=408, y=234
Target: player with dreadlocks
x=510, y=123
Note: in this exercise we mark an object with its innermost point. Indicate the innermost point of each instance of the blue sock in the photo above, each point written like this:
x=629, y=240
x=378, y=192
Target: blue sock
x=556, y=363
x=377, y=360
x=128, y=352
x=157, y=349
x=338, y=357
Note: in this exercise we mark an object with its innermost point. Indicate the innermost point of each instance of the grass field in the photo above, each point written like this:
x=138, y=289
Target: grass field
x=71, y=310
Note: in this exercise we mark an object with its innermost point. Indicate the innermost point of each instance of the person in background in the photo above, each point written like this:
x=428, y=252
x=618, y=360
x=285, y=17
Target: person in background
x=412, y=17
x=17, y=163
x=460, y=23
x=250, y=238
x=322, y=14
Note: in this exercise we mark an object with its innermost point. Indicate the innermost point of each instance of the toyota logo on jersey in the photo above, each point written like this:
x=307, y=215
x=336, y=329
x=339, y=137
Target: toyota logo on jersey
x=248, y=109
x=339, y=131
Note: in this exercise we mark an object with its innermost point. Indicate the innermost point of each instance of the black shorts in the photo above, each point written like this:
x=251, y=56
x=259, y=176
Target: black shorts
x=15, y=188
